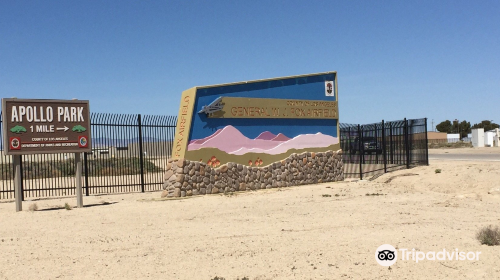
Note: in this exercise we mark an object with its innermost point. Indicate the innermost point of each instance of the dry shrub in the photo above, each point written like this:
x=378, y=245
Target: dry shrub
x=489, y=235
x=455, y=145
x=33, y=207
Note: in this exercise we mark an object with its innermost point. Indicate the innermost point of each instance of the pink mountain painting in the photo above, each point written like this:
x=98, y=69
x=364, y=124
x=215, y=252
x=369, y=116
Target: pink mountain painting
x=232, y=141
x=266, y=135
x=280, y=137
x=201, y=141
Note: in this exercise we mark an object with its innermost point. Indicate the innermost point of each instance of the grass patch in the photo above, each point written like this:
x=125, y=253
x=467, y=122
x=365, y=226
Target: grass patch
x=229, y=193
x=489, y=236
x=326, y=195
x=67, y=206
x=374, y=194
x=437, y=171
x=222, y=278
x=459, y=144
x=120, y=166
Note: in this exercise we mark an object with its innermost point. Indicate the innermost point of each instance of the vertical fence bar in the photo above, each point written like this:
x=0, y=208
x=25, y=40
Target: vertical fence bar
x=348, y=146
x=22, y=176
x=426, y=145
x=383, y=147
x=141, y=157
x=375, y=130
x=391, y=143
x=360, y=143
x=18, y=182
x=411, y=128
x=86, y=164
x=407, y=144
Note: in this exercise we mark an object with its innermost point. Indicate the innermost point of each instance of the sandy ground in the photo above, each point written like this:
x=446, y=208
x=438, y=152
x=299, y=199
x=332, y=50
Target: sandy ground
x=326, y=231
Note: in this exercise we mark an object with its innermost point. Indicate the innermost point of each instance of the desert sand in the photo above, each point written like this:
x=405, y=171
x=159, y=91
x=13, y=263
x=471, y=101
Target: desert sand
x=461, y=151
x=324, y=231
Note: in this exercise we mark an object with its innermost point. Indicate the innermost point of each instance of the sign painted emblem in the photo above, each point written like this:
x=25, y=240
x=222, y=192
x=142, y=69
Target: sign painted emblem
x=213, y=107
x=15, y=143
x=82, y=141
x=329, y=88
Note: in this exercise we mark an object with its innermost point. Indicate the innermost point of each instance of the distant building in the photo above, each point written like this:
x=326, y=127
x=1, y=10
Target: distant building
x=453, y=137
x=488, y=137
x=478, y=137
x=481, y=138
x=436, y=137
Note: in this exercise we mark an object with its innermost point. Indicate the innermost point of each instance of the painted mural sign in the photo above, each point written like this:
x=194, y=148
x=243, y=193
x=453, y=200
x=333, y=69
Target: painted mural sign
x=256, y=123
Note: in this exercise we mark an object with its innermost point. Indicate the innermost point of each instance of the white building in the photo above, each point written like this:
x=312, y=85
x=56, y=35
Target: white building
x=488, y=138
x=478, y=137
x=453, y=137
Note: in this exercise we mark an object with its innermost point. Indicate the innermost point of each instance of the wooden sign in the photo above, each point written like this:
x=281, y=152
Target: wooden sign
x=38, y=126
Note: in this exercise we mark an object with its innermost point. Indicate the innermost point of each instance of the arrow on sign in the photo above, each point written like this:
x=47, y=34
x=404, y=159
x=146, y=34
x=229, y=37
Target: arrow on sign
x=65, y=128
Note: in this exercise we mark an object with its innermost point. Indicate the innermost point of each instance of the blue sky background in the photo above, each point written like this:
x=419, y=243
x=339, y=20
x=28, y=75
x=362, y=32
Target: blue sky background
x=395, y=59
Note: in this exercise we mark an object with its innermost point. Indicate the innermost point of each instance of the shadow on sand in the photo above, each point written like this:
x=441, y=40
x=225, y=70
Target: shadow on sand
x=84, y=206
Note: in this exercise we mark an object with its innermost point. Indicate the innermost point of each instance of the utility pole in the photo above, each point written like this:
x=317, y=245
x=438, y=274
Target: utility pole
x=433, y=129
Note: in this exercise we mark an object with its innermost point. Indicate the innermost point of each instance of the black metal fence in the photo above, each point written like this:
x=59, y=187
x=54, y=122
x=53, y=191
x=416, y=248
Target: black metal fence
x=129, y=153
x=378, y=148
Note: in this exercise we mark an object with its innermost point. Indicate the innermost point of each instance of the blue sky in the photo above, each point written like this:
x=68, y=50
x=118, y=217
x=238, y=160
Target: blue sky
x=395, y=59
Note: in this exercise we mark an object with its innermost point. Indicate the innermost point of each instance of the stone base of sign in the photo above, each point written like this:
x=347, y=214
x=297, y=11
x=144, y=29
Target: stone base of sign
x=186, y=178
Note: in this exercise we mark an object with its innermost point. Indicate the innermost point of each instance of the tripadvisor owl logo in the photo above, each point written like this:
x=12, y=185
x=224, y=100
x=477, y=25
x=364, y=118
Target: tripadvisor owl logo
x=386, y=255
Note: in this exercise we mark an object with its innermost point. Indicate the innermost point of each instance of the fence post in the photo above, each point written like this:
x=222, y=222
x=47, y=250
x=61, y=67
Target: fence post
x=141, y=157
x=376, y=143
x=21, y=175
x=391, y=143
x=360, y=153
x=16, y=163
x=407, y=146
x=85, y=162
x=349, y=144
x=426, y=144
x=383, y=146
x=78, y=180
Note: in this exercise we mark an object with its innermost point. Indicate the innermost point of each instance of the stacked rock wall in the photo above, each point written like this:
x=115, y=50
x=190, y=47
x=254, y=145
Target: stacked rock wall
x=186, y=178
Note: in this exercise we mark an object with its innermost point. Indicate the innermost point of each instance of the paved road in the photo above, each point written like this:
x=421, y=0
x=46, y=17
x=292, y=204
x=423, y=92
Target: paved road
x=466, y=157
